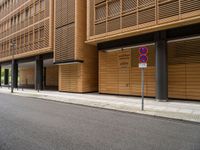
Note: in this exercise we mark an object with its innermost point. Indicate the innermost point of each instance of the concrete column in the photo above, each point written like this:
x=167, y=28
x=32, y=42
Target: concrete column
x=161, y=66
x=15, y=74
x=6, y=76
x=39, y=73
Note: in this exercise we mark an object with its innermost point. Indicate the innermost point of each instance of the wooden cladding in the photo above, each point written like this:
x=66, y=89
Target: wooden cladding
x=137, y=14
x=184, y=69
x=28, y=27
x=65, y=30
x=65, y=12
x=64, y=47
x=119, y=73
x=69, y=78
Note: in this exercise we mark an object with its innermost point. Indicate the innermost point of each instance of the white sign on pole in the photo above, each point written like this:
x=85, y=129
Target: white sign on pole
x=142, y=65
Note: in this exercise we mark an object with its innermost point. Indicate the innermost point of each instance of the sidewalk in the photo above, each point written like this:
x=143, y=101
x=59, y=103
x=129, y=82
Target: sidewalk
x=183, y=110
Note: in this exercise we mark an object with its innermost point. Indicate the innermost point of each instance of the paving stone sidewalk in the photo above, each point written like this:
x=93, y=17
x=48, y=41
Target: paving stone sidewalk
x=182, y=110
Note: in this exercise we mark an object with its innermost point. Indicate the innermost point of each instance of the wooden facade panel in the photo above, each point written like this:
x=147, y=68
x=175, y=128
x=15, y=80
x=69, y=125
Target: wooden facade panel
x=100, y=28
x=129, y=20
x=79, y=77
x=184, y=69
x=69, y=78
x=168, y=9
x=119, y=73
x=177, y=81
x=113, y=24
x=64, y=46
x=193, y=81
x=52, y=76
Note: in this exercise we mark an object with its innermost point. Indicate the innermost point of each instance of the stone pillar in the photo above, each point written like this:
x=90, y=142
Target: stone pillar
x=39, y=73
x=161, y=66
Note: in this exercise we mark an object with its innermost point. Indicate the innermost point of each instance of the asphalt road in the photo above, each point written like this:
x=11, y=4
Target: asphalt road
x=34, y=124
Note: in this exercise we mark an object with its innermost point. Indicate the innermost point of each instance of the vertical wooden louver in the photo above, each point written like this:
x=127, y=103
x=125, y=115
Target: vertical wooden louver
x=65, y=30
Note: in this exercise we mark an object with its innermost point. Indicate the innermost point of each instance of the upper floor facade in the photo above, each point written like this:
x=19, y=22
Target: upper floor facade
x=26, y=28
x=114, y=19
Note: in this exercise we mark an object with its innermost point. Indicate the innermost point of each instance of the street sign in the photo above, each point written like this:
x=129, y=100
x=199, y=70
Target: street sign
x=142, y=65
x=143, y=51
x=143, y=59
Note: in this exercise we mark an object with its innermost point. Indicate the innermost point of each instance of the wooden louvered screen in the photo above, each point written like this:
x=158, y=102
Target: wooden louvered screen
x=65, y=30
x=119, y=72
x=138, y=14
x=184, y=69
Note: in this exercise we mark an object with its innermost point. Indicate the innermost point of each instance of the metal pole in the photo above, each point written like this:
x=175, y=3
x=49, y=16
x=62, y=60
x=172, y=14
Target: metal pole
x=12, y=67
x=142, y=84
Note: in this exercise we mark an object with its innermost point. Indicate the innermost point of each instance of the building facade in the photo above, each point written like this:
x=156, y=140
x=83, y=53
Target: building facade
x=92, y=45
x=168, y=28
x=46, y=40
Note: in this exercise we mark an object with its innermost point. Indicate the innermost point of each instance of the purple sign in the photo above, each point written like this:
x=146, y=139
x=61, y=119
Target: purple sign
x=143, y=50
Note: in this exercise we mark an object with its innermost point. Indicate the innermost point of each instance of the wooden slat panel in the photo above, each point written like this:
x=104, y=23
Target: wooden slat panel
x=184, y=69
x=108, y=72
x=177, y=81
x=65, y=43
x=119, y=73
x=193, y=81
x=114, y=24
x=129, y=20
x=168, y=9
x=69, y=78
x=100, y=28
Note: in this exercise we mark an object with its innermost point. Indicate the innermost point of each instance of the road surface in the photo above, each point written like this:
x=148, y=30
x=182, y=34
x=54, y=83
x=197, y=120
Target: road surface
x=34, y=124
